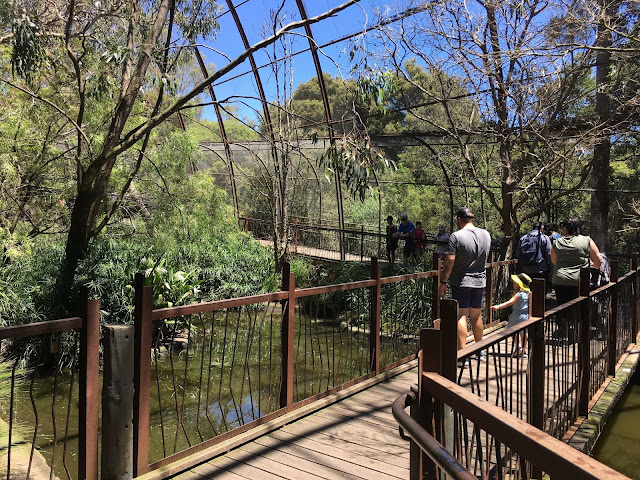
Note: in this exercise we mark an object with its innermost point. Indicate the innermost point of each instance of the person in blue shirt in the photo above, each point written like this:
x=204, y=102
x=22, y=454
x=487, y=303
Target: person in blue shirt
x=406, y=230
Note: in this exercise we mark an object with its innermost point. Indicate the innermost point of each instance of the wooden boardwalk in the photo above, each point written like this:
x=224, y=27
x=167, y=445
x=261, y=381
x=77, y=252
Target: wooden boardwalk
x=318, y=252
x=356, y=438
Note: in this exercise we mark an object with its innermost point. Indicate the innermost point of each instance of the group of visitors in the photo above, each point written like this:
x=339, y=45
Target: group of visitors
x=542, y=253
x=415, y=239
x=558, y=257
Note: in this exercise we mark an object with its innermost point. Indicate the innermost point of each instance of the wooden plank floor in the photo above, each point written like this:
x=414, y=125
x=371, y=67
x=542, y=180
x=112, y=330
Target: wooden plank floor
x=356, y=438
x=318, y=252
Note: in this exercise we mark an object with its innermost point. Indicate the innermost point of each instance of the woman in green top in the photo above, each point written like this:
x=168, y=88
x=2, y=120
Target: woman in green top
x=570, y=253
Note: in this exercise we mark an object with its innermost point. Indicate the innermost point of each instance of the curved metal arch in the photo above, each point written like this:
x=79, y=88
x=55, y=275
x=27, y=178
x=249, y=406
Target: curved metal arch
x=223, y=134
x=263, y=98
x=313, y=47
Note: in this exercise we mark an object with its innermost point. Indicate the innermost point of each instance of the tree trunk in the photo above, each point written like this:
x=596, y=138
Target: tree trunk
x=599, y=231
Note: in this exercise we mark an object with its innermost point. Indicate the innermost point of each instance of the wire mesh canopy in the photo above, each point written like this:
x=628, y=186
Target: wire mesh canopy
x=258, y=90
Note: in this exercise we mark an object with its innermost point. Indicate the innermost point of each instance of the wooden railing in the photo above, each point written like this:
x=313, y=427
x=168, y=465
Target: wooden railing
x=354, y=242
x=272, y=354
x=498, y=399
x=39, y=442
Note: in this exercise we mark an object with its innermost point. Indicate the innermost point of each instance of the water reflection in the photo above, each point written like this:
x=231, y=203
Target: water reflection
x=618, y=444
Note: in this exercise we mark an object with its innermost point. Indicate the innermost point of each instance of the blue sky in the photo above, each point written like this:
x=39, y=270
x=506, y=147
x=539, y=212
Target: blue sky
x=254, y=14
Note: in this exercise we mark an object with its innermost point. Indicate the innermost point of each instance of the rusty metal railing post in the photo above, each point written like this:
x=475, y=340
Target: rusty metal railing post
x=612, y=324
x=435, y=289
x=425, y=411
x=488, y=294
x=286, y=337
x=141, y=375
x=449, y=366
x=295, y=230
x=375, y=293
x=537, y=373
x=636, y=298
x=584, y=332
x=449, y=328
x=89, y=400
x=361, y=243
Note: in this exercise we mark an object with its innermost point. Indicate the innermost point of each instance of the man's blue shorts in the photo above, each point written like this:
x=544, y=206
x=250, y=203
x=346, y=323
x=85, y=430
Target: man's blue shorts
x=468, y=297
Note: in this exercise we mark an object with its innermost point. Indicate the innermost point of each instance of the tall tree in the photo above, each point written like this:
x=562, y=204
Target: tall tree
x=523, y=84
x=130, y=51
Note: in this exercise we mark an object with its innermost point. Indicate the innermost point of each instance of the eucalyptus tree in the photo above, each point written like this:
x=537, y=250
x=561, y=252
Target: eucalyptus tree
x=123, y=53
x=523, y=84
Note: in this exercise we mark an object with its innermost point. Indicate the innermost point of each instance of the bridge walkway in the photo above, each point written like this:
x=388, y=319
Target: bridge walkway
x=356, y=438
x=320, y=253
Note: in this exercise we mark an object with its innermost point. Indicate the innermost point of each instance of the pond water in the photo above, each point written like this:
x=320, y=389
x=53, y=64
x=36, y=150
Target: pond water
x=229, y=375
x=617, y=447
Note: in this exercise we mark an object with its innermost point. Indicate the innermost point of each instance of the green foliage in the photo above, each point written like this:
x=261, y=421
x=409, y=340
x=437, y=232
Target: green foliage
x=26, y=52
x=303, y=270
x=354, y=160
x=170, y=287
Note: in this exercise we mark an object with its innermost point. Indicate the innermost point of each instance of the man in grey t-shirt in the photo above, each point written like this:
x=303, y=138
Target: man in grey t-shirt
x=464, y=268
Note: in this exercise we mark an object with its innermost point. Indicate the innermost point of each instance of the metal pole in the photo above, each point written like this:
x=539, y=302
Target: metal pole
x=374, y=326
x=427, y=413
x=88, y=390
x=584, y=331
x=435, y=290
x=489, y=290
x=286, y=338
x=142, y=375
x=536, y=374
x=636, y=299
x=449, y=356
x=612, y=325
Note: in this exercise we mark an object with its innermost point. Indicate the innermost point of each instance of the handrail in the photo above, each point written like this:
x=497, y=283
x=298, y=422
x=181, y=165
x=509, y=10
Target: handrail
x=340, y=287
x=409, y=276
x=496, y=338
x=429, y=445
x=548, y=453
x=195, y=308
x=39, y=328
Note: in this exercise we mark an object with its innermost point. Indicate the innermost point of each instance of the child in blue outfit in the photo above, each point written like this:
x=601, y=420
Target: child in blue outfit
x=521, y=311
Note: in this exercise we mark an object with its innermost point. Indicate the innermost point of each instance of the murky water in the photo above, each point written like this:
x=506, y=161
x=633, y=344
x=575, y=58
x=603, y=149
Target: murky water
x=214, y=399
x=617, y=447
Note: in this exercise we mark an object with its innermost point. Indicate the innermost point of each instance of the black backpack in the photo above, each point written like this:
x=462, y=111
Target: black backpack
x=529, y=251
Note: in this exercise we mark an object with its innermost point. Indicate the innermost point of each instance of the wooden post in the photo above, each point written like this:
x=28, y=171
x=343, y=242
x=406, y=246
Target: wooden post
x=374, y=324
x=141, y=375
x=612, y=325
x=117, y=403
x=295, y=235
x=426, y=412
x=286, y=337
x=88, y=389
x=536, y=374
x=246, y=223
x=449, y=368
x=488, y=294
x=636, y=299
x=435, y=291
x=584, y=332
x=449, y=328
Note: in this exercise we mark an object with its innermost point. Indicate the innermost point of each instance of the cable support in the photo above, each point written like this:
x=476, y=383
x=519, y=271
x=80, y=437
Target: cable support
x=436, y=184
x=396, y=18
